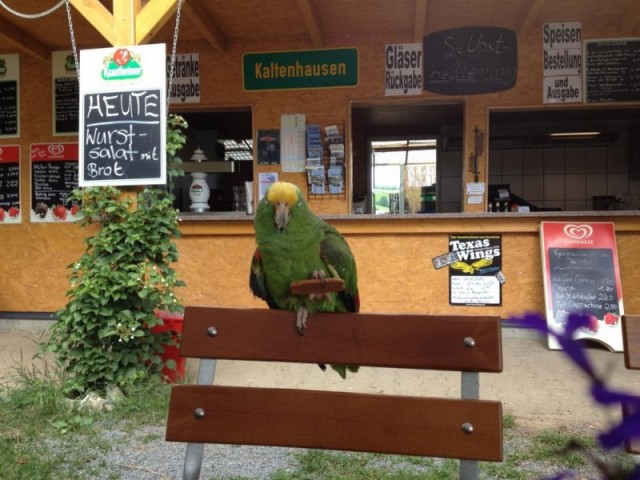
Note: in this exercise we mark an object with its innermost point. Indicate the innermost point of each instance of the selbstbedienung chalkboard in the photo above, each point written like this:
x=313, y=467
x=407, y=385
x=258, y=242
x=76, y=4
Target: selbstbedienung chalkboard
x=470, y=60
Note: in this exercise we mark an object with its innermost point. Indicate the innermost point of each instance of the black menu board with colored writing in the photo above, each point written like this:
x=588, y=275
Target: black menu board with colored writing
x=54, y=176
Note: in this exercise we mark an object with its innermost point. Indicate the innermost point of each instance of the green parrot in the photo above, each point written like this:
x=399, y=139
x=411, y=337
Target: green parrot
x=294, y=244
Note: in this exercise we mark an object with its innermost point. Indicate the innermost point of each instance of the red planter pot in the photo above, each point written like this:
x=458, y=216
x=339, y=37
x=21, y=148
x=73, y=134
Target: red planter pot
x=172, y=322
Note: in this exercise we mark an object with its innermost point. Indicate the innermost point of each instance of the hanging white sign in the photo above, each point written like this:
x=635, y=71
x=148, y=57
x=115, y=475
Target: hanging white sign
x=123, y=111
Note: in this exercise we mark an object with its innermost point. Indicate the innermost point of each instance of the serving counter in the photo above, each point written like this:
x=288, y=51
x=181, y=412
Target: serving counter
x=394, y=258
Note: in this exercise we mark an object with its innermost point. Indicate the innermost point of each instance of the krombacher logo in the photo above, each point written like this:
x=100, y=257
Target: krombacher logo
x=122, y=65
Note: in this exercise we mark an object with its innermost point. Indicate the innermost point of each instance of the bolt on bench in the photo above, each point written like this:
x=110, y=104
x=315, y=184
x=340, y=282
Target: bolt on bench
x=465, y=428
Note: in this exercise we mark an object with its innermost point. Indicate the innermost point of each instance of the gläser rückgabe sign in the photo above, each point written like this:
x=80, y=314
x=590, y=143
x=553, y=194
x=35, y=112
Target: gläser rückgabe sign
x=324, y=68
x=122, y=116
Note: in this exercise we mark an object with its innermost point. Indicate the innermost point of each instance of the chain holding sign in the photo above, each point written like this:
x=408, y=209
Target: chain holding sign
x=123, y=120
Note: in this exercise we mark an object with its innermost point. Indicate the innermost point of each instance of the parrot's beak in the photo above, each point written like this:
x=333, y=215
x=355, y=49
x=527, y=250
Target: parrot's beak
x=282, y=215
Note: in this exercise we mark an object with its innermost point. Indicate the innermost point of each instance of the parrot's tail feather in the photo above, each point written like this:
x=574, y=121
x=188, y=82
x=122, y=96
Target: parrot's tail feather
x=343, y=369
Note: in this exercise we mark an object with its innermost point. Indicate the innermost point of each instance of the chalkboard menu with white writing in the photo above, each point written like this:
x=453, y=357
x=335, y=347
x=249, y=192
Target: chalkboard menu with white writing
x=612, y=70
x=470, y=60
x=66, y=106
x=583, y=280
x=581, y=276
x=54, y=176
x=9, y=108
x=122, y=138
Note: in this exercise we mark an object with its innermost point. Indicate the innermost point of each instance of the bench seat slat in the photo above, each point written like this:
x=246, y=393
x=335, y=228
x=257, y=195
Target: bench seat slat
x=336, y=420
x=433, y=342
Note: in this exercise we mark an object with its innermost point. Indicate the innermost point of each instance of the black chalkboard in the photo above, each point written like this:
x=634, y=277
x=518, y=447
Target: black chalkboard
x=52, y=182
x=66, y=105
x=9, y=185
x=612, y=70
x=122, y=138
x=9, y=107
x=583, y=280
x=470, y=60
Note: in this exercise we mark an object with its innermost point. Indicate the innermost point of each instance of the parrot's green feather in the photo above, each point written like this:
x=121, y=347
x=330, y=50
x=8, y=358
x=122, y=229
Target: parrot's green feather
x=306, y=245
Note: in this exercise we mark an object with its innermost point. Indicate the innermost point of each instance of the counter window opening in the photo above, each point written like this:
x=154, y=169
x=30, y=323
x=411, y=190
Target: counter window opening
x=223, y=144
x=564, y=160
x=407, y=157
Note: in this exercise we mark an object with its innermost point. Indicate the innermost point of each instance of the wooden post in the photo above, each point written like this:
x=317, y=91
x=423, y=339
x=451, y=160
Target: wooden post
x=128, y=24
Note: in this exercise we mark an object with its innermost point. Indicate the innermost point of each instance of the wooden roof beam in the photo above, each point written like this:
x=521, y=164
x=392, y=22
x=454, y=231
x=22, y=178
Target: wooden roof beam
x=22, y=41
x=98, y=16
x=420, y=20
x=152, y=17
x=532, y=15
x=124, y=21
x=205, y=25
x=312, y=23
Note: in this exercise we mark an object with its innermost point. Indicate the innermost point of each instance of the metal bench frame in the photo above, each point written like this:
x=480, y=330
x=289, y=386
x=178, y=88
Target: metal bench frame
x=465, y=428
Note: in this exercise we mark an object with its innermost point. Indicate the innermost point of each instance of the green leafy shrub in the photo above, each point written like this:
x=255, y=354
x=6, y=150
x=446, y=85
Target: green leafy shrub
x=103, y=336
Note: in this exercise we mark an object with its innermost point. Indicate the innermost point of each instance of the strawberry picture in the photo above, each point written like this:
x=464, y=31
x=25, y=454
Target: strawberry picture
x=1, y=214
x=593, y=324
x=74, y=209
x=611, y=319
x=121, y=56
x=59, y=212
x=14, y=212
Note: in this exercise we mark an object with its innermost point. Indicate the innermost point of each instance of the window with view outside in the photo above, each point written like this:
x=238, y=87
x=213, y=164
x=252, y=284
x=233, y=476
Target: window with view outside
x=400, y=169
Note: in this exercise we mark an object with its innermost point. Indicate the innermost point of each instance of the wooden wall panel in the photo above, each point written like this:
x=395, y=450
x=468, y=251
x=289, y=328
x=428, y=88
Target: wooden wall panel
x=395, y=269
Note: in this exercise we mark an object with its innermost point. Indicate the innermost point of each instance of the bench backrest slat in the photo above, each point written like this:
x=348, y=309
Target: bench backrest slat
x=403, y=341
x=337, y=420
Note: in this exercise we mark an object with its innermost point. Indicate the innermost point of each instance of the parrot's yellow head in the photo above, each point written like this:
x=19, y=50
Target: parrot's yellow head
x=283, y=196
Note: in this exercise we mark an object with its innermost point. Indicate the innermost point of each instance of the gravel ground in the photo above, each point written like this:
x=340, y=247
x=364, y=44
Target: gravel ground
x=144, y=455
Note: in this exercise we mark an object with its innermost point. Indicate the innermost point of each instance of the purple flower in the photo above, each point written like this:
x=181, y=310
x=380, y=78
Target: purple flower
x=629, y=428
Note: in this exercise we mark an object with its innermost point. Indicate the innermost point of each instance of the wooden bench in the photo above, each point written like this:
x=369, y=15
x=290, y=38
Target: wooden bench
x=464, y=428
x=631, y=344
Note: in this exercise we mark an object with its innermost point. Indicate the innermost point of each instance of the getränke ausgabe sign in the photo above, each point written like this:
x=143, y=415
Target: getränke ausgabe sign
x=122, y=116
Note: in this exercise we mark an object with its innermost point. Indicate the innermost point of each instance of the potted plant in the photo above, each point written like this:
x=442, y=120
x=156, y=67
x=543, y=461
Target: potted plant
x=104, y=337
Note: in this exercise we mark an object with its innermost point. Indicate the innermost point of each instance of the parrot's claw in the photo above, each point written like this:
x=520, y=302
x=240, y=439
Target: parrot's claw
x=301, y=319
x=319, y=275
